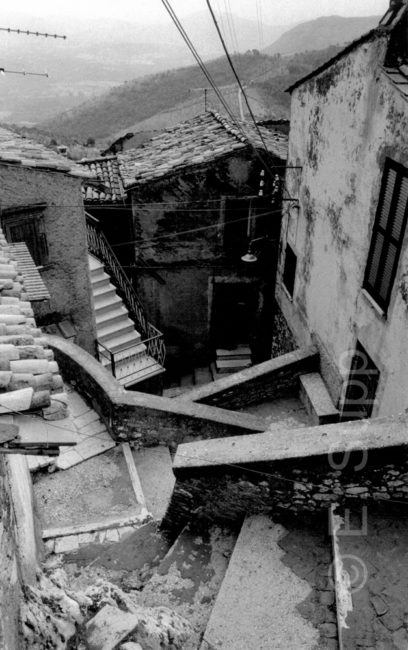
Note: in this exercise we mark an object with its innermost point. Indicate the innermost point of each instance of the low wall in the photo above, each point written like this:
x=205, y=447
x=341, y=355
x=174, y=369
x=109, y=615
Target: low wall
x=271, y=379
x=303, y=471
x=150, y=419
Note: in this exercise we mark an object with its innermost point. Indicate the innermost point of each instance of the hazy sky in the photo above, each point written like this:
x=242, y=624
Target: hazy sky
x=276, y=12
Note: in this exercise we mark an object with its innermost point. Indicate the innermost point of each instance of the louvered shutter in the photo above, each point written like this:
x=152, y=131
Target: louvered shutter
x=388, y=234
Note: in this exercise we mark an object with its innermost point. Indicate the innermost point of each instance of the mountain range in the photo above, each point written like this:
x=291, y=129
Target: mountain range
x=122, y=76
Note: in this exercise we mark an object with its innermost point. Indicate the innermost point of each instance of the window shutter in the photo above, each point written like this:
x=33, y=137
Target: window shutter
x=388, y=234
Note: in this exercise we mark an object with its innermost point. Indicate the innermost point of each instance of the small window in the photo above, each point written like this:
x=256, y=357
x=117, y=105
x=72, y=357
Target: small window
x=362, y=386
x=289, y=271
x=388, y=234
x=26, y=224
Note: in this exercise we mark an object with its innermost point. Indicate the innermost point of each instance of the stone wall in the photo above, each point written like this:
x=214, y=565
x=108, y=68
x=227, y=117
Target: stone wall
x=148, y=419
x=268, y=380
x=10, y=578
x=216, y=483
x=66, y=272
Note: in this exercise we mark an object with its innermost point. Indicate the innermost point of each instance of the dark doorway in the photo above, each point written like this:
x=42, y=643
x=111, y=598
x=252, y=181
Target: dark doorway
x=362, y=386
x=233, y=314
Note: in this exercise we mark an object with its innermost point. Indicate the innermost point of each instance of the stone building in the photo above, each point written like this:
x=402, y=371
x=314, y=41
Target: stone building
x=343, y=272
x=205, y=177
x=42, y=205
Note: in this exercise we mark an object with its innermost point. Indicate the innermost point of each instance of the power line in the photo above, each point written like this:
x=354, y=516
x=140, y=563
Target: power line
x=147, y=242
x=204, y=69
x=227, y=54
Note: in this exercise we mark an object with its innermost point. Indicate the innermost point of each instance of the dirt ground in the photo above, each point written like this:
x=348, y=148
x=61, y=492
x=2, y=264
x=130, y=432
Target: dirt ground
x=96, y=489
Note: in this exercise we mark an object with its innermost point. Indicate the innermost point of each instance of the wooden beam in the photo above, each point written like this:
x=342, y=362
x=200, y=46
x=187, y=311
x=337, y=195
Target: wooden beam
x=112, y=522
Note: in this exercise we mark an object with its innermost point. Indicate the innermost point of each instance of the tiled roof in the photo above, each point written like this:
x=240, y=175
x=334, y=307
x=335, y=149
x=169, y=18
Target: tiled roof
x=399, y=77
x=15, y=149
x=29, y=376
x=195, y=142
x=106, y=170
x=33, y=282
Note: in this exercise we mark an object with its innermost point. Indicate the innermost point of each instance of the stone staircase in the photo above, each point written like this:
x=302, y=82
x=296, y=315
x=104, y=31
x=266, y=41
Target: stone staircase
x=117, y=336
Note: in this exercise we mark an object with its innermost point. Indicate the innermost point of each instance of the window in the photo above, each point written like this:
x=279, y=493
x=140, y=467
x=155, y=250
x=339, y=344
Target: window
x=388, y=234
x=26, y=224
x=362, y=386
x=289, y=271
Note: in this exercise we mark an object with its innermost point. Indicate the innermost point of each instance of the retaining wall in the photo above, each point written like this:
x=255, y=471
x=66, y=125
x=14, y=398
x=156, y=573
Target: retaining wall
x=149, y=419
x=302, y=471
x=278, y=377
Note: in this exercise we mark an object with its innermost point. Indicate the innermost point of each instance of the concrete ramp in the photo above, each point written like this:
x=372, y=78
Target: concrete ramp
x=256, y=607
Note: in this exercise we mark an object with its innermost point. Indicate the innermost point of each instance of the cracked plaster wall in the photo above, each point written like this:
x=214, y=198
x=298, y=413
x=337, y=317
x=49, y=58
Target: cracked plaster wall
x=344, y=123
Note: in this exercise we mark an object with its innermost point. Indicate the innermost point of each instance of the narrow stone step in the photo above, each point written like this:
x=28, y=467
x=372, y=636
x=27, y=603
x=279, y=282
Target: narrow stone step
x=256, y=607
x=154, y=467
x=316, y=399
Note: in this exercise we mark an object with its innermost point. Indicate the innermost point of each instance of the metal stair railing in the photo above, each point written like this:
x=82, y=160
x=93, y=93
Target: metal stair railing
x=99, y=246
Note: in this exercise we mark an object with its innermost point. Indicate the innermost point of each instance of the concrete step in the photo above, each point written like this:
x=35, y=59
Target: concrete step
x=231, y=365
x=105, y=301
x=118, y=331
x=100, y=283
x=116, y=314
x=122, y=341
x=188, y=579
x=371, y=578
x=94, y=263
x=316, y=399
x=130, y=353
x=155, y=470
x=240, y=352
x=256, y=607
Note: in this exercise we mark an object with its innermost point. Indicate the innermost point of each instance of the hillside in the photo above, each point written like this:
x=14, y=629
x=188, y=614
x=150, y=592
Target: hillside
x=97, y=57
x=320, y=33
x=161, y=100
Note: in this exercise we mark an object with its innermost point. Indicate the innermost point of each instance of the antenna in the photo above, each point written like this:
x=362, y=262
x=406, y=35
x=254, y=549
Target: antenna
x=24, y=73
x=30, y=33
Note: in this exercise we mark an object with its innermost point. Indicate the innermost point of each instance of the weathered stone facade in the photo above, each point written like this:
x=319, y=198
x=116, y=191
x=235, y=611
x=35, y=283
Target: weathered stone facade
x=65, y=271
x=194, y=265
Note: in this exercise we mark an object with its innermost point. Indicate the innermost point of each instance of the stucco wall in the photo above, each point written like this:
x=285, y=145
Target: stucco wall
x=344, y=123
x=66, y=273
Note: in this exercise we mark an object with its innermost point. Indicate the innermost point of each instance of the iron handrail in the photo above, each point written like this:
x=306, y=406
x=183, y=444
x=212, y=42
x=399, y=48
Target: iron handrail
x=99, y=246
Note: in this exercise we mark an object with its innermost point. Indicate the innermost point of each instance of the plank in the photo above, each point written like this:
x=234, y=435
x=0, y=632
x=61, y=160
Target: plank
x=133, y=475
x=109, y=522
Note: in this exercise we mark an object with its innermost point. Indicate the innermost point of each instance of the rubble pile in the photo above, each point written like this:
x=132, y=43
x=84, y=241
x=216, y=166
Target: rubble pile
x=100, y=618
